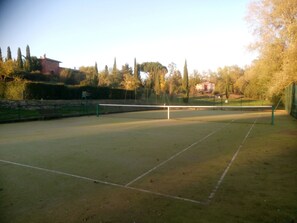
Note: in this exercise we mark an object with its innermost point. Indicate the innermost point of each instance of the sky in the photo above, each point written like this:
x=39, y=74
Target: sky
x=207, y=33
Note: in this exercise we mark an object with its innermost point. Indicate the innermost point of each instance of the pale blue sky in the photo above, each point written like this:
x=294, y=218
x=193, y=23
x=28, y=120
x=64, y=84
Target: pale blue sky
x=209, y=34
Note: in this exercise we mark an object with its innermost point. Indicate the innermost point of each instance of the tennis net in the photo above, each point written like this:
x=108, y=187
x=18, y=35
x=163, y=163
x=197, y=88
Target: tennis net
x=263, y=114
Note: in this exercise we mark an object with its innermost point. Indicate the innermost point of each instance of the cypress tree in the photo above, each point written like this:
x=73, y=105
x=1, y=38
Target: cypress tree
x=116, y=75
x=1, y=59
x=136, y=70
x=96, y=68
x=106, y=72
x=8, y=57
x=186, y=81
x=19, y=59
x=28, y=59
x=96, y=78
x=114, y=69
x=157, y=82
x=227, y=89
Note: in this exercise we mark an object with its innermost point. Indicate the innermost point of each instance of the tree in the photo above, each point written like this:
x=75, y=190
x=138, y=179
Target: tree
x=186, y=82
x=126, y=69
x=96, y=68
x=96, y=76
x=91, y=77
x=8, y=56
x=116, y=76
x=156, y=76
x=35, y=64
x=106, y=72
x=227, y=77
x=274, y=22
x=227, y=87
x=136, y=71
x=28, y=63
x=157, y=82
x=129, y=81
x=114, y=68
x=20, y=59
x=1, y=59
x=104, y=77
x=8, y=69
x=194, y=79
x=174, y=80
x=67, y=76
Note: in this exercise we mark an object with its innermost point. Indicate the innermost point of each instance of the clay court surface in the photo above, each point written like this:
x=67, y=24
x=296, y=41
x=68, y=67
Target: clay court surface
x=141, y=167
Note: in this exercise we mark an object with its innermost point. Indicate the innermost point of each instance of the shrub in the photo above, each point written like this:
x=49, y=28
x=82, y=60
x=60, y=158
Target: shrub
x=15, y=90
x=2, y=89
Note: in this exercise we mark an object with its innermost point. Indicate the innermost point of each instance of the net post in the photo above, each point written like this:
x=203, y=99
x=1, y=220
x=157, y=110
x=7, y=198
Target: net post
x=272, y=115
x=168, y=112
x=97, y=110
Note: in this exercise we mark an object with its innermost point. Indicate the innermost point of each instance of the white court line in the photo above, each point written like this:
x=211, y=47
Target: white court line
x=166, y=195
x=144, y=190
x=213, y=193
x=175, y=155
x=61, y=173
x=104, y=182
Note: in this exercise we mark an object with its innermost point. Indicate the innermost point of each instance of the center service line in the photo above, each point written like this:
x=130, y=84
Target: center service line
x=212, y=194
x=175, y=155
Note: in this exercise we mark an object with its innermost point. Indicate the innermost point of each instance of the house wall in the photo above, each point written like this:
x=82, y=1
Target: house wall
x=49, y=66
x=205, y=87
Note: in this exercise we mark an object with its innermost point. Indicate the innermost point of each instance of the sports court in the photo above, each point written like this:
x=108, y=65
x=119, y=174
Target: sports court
x=182, y=160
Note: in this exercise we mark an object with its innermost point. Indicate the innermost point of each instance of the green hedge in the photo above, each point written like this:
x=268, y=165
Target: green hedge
x=44, y=91
x=121, y=94
x=19, y=90
x=2, y=89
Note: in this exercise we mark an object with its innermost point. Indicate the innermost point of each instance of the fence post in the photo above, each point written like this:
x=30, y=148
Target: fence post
x=97, y=110
x=272, y=115
x=168, y=112
x=19, y=111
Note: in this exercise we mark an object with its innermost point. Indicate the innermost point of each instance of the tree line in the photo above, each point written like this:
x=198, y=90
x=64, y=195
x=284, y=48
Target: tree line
x=151, y=77
x=274, y=24
x=127, y=78
x=11, y=68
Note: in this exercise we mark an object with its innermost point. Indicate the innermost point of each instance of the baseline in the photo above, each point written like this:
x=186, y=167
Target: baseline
x=103, y=182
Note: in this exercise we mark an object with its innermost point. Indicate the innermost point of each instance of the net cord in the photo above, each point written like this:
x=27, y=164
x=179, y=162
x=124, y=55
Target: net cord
x=189, y=106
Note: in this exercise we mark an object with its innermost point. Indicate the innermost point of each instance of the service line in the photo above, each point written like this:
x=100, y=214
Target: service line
x=176, y=155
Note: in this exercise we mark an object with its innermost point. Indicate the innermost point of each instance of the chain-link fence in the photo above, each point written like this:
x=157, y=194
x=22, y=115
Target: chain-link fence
x=27, y=110
x=21, y=110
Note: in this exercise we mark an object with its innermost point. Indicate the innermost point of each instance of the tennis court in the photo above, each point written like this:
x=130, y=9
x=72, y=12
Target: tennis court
x=92, y=168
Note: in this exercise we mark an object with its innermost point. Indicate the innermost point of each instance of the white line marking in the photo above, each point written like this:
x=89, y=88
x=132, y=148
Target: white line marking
x=166, y=195
x=62, y=173
x=182, y=106
x=143, y=190
x=104, y=182
x=213, y=193
x=175, y=155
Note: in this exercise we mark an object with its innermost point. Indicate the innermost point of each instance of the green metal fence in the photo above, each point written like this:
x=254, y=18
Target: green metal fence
x=291, y=99
x=21, y=112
